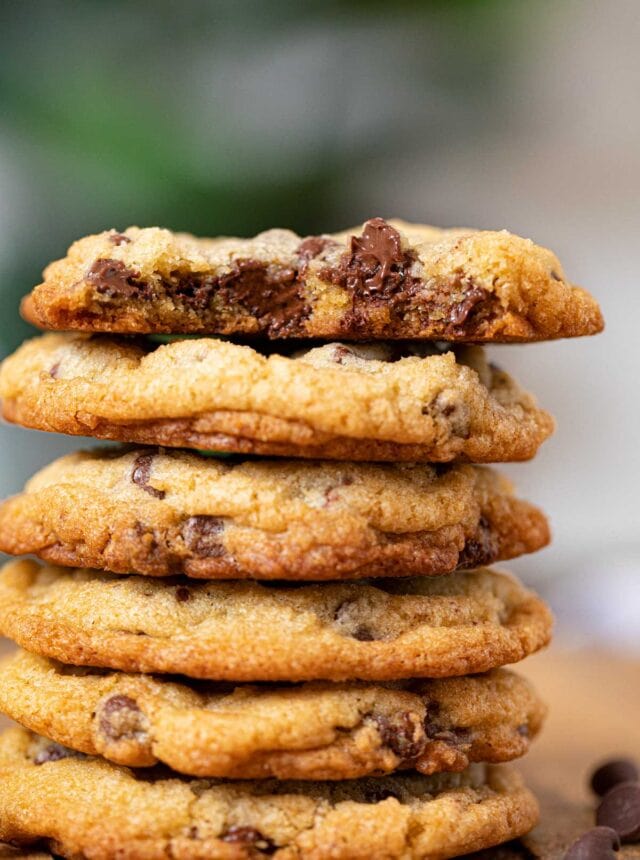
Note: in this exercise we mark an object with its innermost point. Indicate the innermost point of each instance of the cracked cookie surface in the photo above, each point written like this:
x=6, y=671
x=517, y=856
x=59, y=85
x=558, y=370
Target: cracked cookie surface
x=381, y=280
x=162, y=512
x=246, y=631
x=89, y=807
x=311, y=731
x=335, y=401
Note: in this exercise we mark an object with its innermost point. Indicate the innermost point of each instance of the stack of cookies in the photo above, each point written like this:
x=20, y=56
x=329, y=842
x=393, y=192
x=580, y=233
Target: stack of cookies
x=230, y=657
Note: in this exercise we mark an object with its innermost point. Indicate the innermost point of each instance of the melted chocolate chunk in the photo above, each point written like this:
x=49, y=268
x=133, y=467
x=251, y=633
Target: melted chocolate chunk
x=120, y=717
x=272, y=296
x=611, y=773
x=403, y=734
x=620, y=810
x=249, y=836
x=202, y=535
x=141, y=473
x=375, y=270
x=481, y=549
x=113, y=279
x=599, y=843
x=375, y=257
x=119, y=239
x=473, y=297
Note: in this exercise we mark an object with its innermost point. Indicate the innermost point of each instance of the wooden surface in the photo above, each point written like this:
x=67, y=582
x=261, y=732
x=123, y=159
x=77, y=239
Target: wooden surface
x=594, y=702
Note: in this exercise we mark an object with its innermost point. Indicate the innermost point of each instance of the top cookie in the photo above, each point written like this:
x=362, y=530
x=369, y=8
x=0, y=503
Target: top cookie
x=379, y=280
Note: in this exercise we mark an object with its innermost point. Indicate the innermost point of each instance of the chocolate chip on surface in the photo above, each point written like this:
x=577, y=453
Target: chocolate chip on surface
x=119, y=239
x=312, y=246
x=600, y=843
x=183, y=594
x=121, y=718
x=203, y=535
x=481, y=549
x=141, y=473
x=349, y=623
x=620, y=809
x=612, y=772
x=403, y=734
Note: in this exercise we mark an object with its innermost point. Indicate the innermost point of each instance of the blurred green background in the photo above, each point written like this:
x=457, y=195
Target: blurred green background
x=233, y=117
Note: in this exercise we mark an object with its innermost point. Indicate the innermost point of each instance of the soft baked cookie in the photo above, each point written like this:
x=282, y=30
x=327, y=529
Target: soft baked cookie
x=338, y=402
x=161, y=512
x=313, y=731
x=247, y=631
x=87, y=807
x=381, y=280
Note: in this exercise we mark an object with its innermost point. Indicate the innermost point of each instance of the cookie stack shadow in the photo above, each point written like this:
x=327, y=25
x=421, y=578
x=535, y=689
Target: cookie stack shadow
x=265, y=625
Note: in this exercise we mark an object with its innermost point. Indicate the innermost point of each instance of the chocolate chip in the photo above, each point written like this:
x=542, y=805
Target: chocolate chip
x=346, y=619
x=202, y=535
x=53, y=752
x=600, y=843
x=481, y=549
x=402, y=733
x=141, y=473
x=620, y=809
x=312, y=246
x=249, y=836
x=555, y=275
x=374, y=270
x=455, y=736
x=53, y=370
x=119, y=239
x=115, y=280
x=610, y=773
x=183, y=594
x=332, y=494
x=461, y=311
x=121, y=718
x=273, y=296
x=341, y=352
x=376, y=252
x=446, y=405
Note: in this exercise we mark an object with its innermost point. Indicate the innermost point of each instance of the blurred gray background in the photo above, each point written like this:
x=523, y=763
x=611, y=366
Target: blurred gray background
x=234, y=117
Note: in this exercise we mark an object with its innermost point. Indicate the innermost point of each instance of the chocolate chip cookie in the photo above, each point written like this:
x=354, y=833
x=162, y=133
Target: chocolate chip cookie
x=334, y=401
x=165, y=511
x=311, y=731
x=246, y=631
x=381, y=280
x=87, y=807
